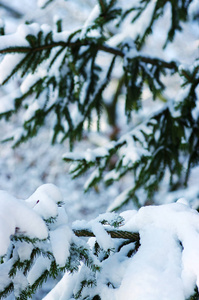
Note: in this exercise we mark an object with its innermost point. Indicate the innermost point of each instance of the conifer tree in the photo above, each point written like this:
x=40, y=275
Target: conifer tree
x=66, y=78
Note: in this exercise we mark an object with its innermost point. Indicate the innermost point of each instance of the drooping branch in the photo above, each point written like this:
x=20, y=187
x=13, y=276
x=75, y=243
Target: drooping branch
x=105, y=48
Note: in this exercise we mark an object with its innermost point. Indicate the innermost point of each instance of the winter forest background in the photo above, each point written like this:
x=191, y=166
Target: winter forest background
x=106, y=92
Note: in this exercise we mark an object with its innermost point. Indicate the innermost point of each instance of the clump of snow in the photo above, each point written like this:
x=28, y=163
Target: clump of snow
x=23, y=218
x=102, y=236
x=32, y=108
x=16, y=216
x=93, y=176
x=46, y=28
x=13, y=40
x=60, y=241
x=61, y=36
x=44, y=200
x=64, y=289
x=24, y=250
x=193, y=8
x=41, y=264
x=20, y=283
x=88, y=155
x=166, y=264
x=131, y=153
x=23, y=30
x=111, y=175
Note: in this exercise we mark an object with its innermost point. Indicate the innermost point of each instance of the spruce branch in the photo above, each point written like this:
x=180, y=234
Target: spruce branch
x=118, y=234
x=105, y=48
x=102, y=5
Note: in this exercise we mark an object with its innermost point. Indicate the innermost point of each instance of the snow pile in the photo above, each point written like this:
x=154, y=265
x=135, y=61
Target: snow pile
x=44, y=200
x=16, y=216
x=164, y=266
x=26, y=226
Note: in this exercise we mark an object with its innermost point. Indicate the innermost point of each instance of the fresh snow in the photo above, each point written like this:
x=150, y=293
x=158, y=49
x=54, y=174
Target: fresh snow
x=44, y=200
x=102, y=236
x=31, y=79
x=169, y=269
x=95, y=174
x=41, y=264
x=165, y=266
x=64, y=289
x=8, y=64
x=7, y=101
x=60, y=242
x=16, y=216
x=89, y=155
x=90, y=20
x=24, y=250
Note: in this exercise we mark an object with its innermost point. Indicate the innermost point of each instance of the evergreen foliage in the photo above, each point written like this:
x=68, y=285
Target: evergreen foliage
x=64, y=77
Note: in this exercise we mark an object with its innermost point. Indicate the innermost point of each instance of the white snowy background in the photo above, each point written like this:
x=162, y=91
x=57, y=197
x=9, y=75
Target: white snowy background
x=36, y=162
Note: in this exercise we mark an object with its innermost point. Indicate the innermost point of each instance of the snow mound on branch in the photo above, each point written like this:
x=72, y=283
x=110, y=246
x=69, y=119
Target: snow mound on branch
x=166, y=265
x=44, y=200
x=60, y=242
x=16, y=216
x=25, y=217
